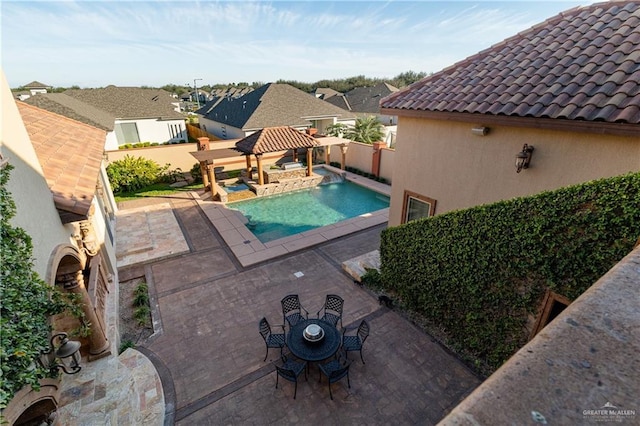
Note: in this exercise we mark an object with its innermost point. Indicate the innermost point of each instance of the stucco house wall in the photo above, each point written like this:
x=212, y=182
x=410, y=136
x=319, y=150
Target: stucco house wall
x=444, y=161
x=36, y=212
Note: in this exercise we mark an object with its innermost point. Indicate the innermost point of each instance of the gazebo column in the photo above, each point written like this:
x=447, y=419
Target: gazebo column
x=309, y=161
x=294, y=154
x=327, y=154
x=205, y=175
x=260, y=177
x=343, y=149
x=212, y=178
x=248, y=162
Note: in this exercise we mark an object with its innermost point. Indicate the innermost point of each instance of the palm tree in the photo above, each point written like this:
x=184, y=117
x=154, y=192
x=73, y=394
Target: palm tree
x=366, y=130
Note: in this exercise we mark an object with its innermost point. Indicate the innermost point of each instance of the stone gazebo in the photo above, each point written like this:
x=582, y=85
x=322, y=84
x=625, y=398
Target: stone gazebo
x=289, y=176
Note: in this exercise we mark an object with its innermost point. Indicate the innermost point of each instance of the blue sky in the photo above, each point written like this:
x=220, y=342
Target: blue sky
x=134, y=43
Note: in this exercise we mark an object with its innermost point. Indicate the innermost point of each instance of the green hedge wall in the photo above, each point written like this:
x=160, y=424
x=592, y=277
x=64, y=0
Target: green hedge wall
x=477, y=274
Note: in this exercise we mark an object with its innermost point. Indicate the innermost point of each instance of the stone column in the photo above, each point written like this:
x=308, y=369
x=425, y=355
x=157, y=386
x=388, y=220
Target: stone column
x=203, y=144
x=343, y=161
x=260, y=177
x=327, y=154
x=309, y=161
x=377, y=155
x=98, y=344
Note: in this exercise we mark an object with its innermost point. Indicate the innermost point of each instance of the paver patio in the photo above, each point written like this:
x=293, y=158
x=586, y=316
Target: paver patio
x=210, y=355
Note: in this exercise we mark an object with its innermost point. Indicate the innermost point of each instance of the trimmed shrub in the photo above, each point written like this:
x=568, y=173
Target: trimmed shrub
x=477, y=275
x=131, y=174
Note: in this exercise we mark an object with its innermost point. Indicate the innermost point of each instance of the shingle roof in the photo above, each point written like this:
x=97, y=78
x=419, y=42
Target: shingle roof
x=364, y=99
x=583, y=64
x=273, y=105
x=70, y=154
x=36, y=85
x=73, y=108
x=129, y=102
x=272, y=139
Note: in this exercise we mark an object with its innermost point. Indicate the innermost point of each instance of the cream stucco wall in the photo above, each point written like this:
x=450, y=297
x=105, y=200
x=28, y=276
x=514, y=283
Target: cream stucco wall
x=443, y=160
x=36, y=212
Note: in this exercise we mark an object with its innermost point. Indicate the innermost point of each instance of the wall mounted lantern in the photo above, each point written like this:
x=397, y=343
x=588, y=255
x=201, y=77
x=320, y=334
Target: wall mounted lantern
x=480, y=131
x=523, y=158
x=61, y=349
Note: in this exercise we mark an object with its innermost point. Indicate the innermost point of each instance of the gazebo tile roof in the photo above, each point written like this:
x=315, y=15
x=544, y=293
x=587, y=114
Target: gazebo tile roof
x=272, y=139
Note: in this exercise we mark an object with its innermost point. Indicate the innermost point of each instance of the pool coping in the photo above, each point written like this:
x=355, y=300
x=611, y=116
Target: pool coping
x=246, y=247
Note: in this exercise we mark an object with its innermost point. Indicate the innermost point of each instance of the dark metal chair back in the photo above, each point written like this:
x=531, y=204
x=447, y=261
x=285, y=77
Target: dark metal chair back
x=292, y=310
x=363, y=331
x=265, y=328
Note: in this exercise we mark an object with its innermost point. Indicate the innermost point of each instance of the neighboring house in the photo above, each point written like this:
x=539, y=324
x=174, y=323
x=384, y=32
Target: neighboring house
x=365, y=101
x=65, y=204
x=202, y=97
x=271, y=105
x=325, y=93
x=36, y=87
x=141, y=115
x=233, y=92
x=31, y=89
x=568, y=87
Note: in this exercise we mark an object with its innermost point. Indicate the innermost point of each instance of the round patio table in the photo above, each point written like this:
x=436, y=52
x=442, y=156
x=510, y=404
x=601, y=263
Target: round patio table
x=313, y=351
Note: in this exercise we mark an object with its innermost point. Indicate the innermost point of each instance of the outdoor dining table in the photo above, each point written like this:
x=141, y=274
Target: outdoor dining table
x=313, y=351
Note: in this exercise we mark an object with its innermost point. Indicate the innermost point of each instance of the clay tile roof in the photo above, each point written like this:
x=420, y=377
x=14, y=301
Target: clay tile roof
x=272, y=139
x=70, y=154
x=591, y=54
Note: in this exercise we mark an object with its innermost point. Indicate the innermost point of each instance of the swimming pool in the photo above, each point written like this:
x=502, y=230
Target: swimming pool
x=279, y=216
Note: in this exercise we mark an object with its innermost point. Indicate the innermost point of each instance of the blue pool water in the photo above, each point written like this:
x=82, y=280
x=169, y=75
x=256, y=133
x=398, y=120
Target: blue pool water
x=279, y=216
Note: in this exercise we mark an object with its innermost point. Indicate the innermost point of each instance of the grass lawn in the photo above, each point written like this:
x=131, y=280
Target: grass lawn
x=155, y=190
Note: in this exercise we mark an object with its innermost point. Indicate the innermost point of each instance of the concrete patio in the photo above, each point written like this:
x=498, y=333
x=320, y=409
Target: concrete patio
x=209, y=354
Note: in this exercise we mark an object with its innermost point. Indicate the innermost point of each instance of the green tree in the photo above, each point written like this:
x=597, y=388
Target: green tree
x=366, y=130
x=337, y=129
x=27, y=303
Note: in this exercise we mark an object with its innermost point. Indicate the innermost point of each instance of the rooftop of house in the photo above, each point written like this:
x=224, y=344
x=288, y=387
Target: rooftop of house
x=273, y=139
x=70, y=153
x=73, y=108
x=36, y=85
x=325, y=92
x=581, y=65
x=272, y=105
x=362, y=99
x=129, y=102
x=234, y=92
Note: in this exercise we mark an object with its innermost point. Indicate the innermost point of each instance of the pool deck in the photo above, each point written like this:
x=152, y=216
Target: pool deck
x=249, y=250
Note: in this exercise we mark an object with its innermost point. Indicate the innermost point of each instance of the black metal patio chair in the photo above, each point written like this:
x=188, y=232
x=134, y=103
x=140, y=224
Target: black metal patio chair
x=271, y=339
x=336, y=370
x=332, y=308
x=292, y=310
x=355, y=342
x=291, y=370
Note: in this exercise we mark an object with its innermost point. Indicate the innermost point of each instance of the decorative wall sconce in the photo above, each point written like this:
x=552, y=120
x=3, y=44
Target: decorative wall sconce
x=523, y=158
x=61, y=349
x=480, y=131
